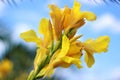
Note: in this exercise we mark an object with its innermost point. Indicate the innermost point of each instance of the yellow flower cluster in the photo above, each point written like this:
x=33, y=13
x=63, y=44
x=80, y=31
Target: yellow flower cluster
x=60, y=47
x=5, y=68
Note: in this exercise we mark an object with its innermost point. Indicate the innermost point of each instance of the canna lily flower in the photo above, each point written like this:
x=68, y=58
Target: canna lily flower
x=69, y=19
x=59, y=47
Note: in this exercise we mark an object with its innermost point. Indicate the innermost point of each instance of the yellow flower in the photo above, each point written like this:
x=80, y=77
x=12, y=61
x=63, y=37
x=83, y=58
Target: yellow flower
x=5, y=68
x=59, y=47
x=68, y=19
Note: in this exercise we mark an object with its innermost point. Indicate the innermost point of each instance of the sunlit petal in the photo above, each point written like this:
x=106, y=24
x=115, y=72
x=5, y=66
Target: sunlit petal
x=29, y=36
x=100, y=44
x=65, y=46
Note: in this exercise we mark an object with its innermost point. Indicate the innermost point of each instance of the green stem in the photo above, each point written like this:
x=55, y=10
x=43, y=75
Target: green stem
x=34, y=73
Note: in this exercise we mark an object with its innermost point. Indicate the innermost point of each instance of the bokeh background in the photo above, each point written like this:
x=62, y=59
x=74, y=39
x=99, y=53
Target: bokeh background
x=16, y=56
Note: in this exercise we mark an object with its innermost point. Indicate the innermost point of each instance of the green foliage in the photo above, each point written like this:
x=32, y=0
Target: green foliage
x=21, y=57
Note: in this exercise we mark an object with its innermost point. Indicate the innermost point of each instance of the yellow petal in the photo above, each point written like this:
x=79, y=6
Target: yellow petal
x=75, y=38
x=88, y=15
x=77, y=55
x=29, y=36
x=100, y=44
x=79, y=23
x=64, y=64
x=44, y=23
x=75, y=11
x=75, y=20
x=67, y=15
x=55, y=56
x=45, y=28
x=89, y=59
x=75, y=48
x=80, y=15
x=57, y=18
x=71, y=61
x=91, y=46
x=40, y=57
x=65, y=46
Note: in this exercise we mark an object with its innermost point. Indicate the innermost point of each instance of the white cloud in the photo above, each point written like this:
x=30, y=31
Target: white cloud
x=107, y=22
x=79, y=74
x=2, y=6
x=115, y=74
x=89, y=74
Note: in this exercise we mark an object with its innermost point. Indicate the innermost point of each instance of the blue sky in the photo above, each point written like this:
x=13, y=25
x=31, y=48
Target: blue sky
x=107, y=65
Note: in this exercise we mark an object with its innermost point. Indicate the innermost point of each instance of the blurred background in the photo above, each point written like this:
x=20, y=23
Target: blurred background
x=16, y=55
